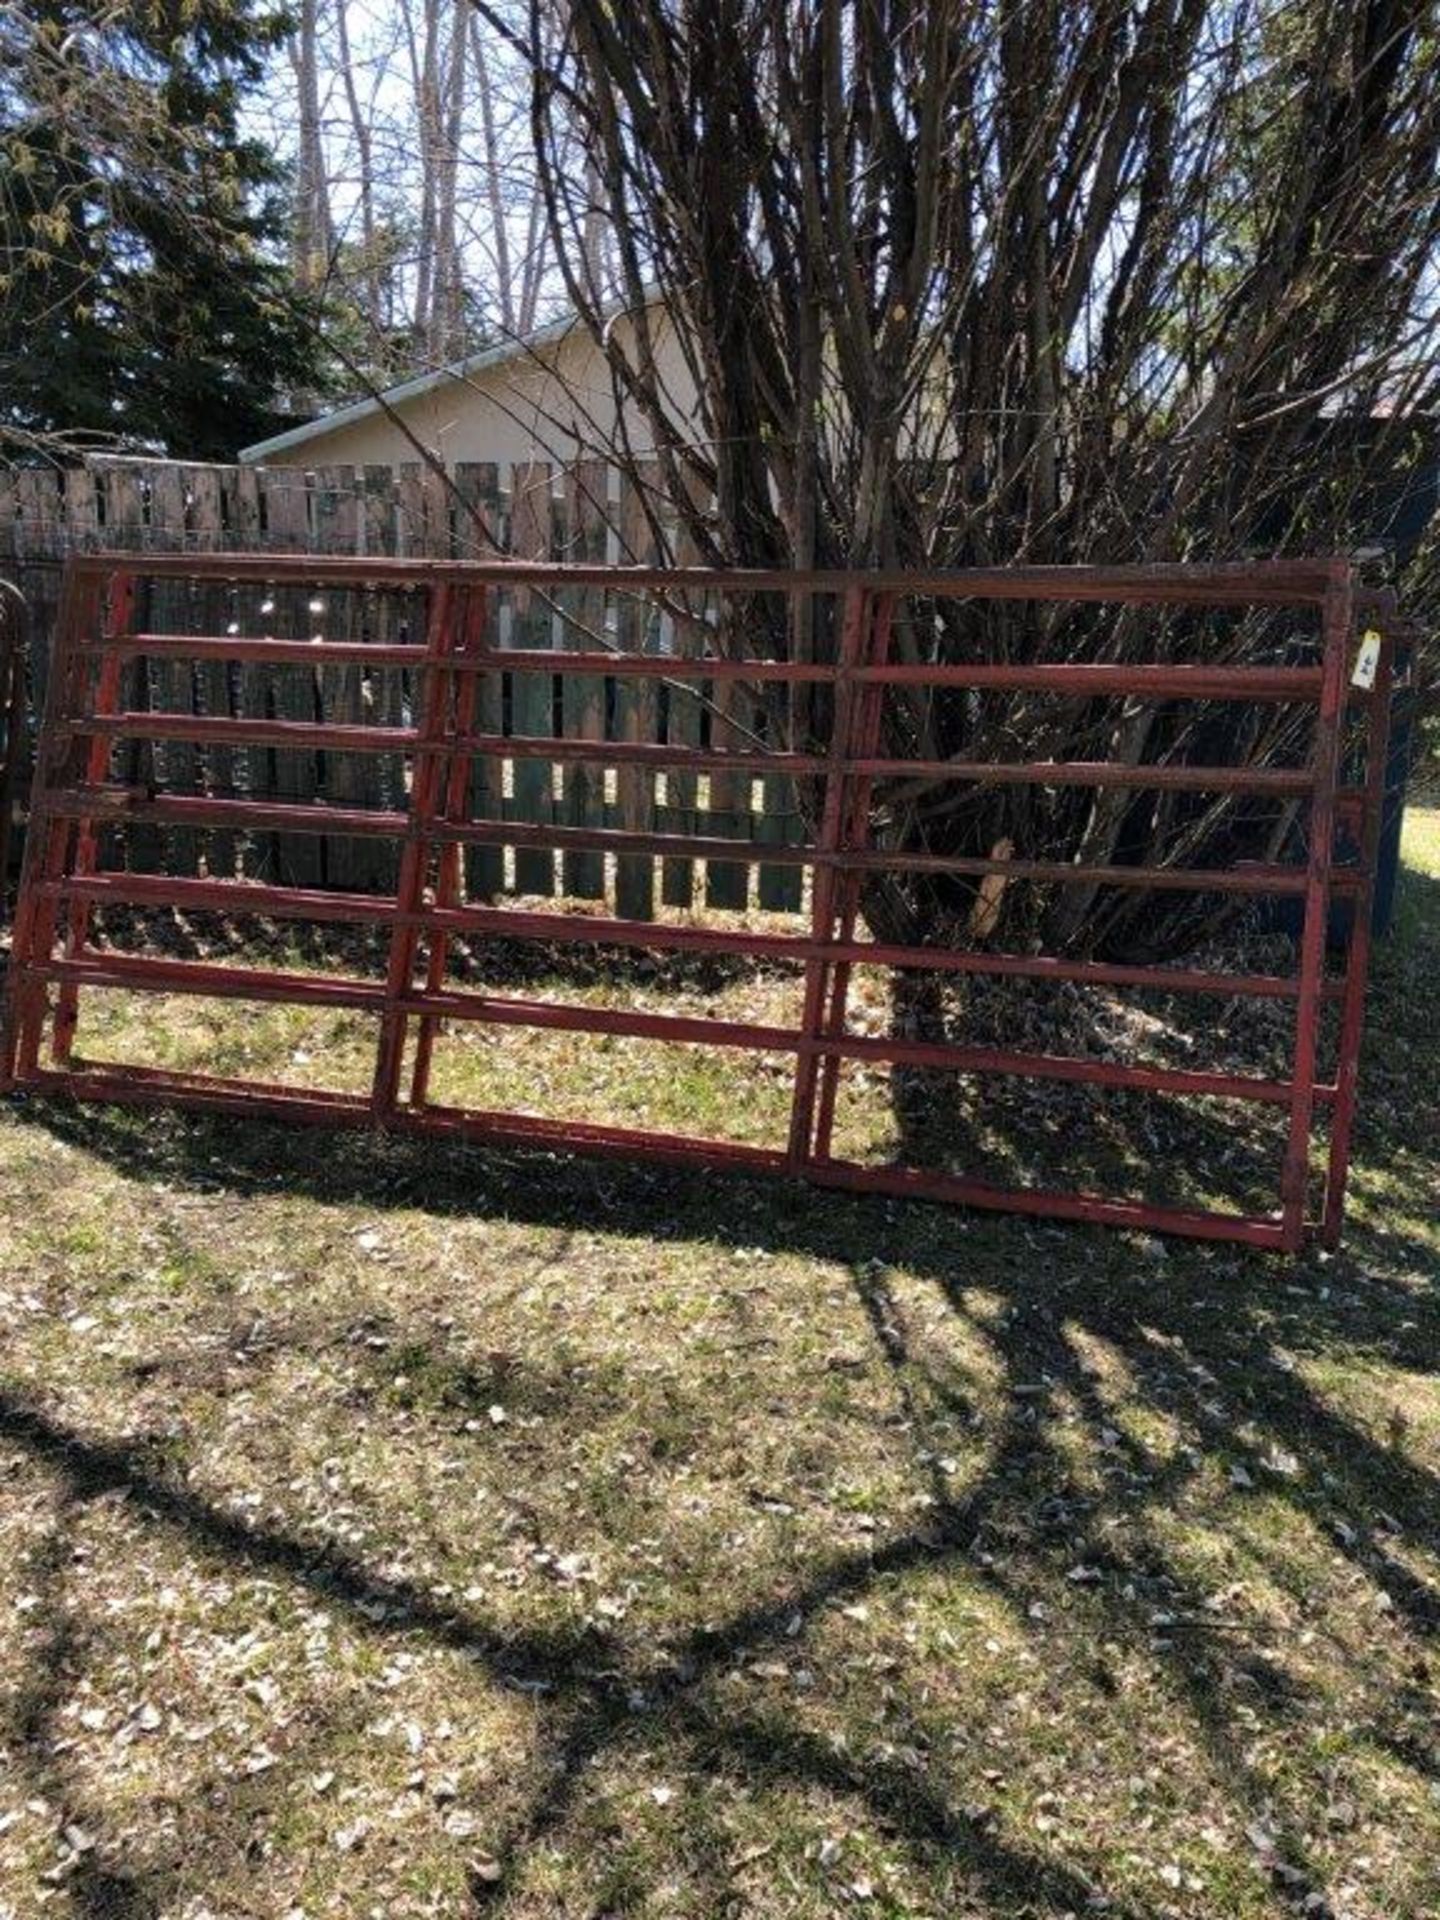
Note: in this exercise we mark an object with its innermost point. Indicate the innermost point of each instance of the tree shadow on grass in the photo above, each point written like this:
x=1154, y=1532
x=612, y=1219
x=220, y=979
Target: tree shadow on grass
x=1207, y=1339
x=92, y=1872
x=96, y=1890
x=589, y=1680
x=1220, y=1346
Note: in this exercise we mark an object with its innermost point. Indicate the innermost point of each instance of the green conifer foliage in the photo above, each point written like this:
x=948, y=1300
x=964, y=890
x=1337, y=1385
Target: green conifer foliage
x=143, y=295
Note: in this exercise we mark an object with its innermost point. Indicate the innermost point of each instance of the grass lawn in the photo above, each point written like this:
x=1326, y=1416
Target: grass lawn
x=393, y=1529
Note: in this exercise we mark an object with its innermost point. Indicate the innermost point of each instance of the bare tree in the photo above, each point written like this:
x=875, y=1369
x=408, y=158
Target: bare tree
x=312, y=225
x=417, y=207
x=1058, y=280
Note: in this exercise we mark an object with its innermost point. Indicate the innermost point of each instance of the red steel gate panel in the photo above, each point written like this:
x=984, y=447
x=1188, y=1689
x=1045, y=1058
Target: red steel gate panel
x=83, y=795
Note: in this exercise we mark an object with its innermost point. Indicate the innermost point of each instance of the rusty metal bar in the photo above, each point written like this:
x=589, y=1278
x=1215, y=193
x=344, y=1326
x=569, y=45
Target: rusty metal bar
x=1089, y=773
x=1256, y=1230
x=352, y=739
x=117, y=803
x=425, y=791
x=457, y=777
x=1250, y=879
x=143, y=1086
x=1092, y=681
x=214, y=980
x=107, y=1081
x=264, y=651
x=107, y=696
x=1357, y=947
x=855, y=642
x=218, y=730
x=1294, y=1172
x=12, y=722
x=786, y=947
x=346, y=738
x=1070, y=678
x=1257, y=879
x=47, y=838
x=950, y=1058
x=296, y=903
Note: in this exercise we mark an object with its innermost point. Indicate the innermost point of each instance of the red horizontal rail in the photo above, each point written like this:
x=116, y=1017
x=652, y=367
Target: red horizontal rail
x=1050, y=1066
x=148, y=1087
x=1093, y=773
x=151, y=1086
x=102, y=967
x=518, y=923
x=1098, y=973
x=654, y=666
x=638, y=753
x=221, y=896
x=209, y=980
x=321, y=652
x=1073, y=679
x=1089, y=681
x=1283, y=780
x=589, y=1136
x=567, y=1017
x=1040, y=967
x=1256, y=1230
x=311, y=736
x=116, y=803
x=1256, y=879
x=121, y=803
x=1070, y=678
x=301, y=653
x=310, y=903
x=620, y=840
x=109, y=1081
x=308, y=736
x=305, y=736
x=1240, y=583
x=212, y=981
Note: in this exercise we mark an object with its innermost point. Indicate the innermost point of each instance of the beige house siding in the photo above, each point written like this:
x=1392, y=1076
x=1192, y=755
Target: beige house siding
x=550, y=400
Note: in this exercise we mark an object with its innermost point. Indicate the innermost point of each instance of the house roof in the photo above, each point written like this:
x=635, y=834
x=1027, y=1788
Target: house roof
x=389, y=397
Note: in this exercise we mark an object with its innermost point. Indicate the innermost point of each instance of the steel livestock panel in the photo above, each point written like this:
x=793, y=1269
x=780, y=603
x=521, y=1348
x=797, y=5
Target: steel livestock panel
x=76, y=802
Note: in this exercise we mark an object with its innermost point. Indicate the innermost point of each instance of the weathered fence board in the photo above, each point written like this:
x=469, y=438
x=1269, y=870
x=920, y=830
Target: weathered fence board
x=55, y=961
x=636, y=709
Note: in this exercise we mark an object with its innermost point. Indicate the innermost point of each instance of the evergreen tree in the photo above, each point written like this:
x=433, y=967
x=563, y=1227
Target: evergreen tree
x=143, y=297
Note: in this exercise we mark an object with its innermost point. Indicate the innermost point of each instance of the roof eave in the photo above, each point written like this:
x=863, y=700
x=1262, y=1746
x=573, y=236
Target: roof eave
x=413, y=389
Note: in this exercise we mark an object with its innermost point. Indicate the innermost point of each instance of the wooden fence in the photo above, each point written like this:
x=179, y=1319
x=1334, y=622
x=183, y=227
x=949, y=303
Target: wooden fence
x=587, y=512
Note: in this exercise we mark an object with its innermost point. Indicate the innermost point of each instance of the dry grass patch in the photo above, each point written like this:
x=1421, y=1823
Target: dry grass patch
x=402, y=1530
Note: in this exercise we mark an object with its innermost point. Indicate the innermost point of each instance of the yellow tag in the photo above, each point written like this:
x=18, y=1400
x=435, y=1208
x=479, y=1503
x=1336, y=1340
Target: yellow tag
x=1367, y=661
